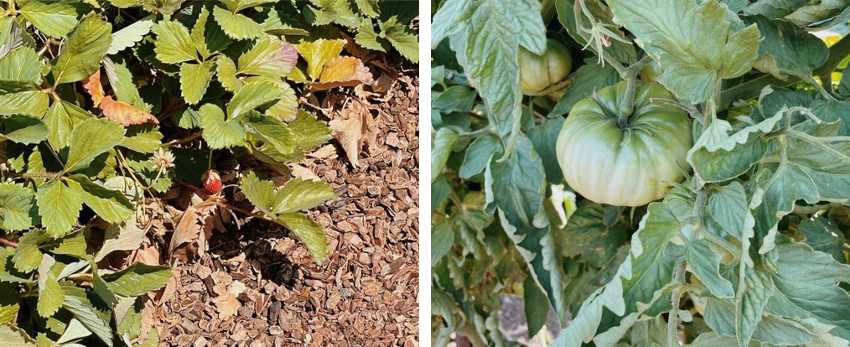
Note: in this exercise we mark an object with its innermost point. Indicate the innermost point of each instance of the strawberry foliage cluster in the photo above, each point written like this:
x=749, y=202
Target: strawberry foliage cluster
x=749, y=248
x=105, y=105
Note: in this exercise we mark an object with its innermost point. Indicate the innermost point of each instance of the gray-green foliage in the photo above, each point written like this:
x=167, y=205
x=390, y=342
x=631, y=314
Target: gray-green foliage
x=751, y=246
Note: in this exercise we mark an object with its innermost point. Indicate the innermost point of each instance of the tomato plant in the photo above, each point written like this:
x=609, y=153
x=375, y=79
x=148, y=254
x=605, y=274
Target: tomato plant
x=688, y=185
x=109, y=107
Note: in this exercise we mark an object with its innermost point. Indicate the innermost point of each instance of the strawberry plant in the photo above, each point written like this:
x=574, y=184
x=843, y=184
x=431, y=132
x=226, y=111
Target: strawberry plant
x=105, y=106
x=642, y=173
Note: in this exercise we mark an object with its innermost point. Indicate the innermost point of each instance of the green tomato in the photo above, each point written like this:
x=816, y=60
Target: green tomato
x=539, y=72
x=627, y=162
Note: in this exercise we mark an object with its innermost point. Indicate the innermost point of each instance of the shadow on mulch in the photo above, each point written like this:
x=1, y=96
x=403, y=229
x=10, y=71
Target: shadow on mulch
x=274, y=265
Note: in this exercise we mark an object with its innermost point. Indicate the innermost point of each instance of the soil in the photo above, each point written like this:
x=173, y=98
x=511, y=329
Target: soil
x=256, y=285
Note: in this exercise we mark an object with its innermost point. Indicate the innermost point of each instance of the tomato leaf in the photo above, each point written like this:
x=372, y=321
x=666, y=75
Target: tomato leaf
x=694, y=44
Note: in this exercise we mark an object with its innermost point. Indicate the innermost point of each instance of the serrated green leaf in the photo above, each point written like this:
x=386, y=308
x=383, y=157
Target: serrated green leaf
x=310, y=132
x=74, y=245
x=128, y=36
x=334, y=11
x=33, y=103
x=90, y=139
x=368, y=7
x=61, y=120
x=121, y=81
x=237, y=25
x=27, y=255
x=367, y=37
x=194, y=80
x=110, y=205
x=406, y=43
x=83, y=50
x=173, y=43
x=59, y=206
x=298, y=195
x=24, y=129
x=694, y=44
x=251, y=96
x=50, y=294
x=226, y=73
x=22, y=65
x=198, y=33
x=145, y=141
x=239, y=5
x=318, y=53
x=218, y=132
x=286, y=109
x=268, y=57
x=259, y=192
x=310, y=233
x=55, y=19
x=16, y=207
x=78, y=303
x=138, y=279
x=272, y=132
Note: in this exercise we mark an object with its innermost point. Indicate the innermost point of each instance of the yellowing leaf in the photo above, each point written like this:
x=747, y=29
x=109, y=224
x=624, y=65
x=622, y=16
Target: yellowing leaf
x=343, y=72
x=269, y=57
x=318, y=53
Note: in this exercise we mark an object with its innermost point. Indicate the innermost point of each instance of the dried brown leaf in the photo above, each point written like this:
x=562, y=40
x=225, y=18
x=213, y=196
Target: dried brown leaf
x=348, y=129
x=116, y=111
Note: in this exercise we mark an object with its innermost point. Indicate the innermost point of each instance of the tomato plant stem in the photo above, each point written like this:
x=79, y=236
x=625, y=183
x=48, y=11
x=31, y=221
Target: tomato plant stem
x=673, y=317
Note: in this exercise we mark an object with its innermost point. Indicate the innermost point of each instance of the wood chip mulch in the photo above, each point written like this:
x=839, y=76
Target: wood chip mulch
x=258, y=286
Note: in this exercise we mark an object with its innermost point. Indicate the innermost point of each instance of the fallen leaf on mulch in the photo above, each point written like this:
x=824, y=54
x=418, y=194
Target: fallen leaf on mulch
x=195, y=226
x=227, y=305
x=348, y=129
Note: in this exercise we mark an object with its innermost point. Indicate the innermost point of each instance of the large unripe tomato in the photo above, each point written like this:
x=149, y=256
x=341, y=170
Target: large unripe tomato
x=538, y=72
x=624, y=161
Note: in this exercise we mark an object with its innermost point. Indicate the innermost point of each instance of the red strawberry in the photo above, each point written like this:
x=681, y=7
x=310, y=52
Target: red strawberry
x=212, y=182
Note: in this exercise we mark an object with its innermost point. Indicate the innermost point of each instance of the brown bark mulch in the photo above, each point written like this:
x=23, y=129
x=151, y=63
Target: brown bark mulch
x=256, y=285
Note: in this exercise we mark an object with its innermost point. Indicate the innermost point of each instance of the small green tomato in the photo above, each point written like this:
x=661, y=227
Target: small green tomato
x=538, y=72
